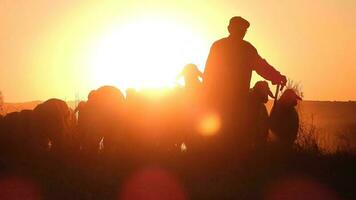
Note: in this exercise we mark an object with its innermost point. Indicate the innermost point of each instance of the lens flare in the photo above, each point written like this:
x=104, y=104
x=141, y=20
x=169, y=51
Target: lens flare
x=152, y=183
x=14, y=187
x=209, y=124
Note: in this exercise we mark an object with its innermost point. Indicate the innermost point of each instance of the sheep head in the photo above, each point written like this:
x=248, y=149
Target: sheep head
x=289, y=98
x=261, y=90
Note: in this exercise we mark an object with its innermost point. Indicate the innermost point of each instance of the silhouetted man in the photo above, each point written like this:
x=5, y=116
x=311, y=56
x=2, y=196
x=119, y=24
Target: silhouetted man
x=228, y=73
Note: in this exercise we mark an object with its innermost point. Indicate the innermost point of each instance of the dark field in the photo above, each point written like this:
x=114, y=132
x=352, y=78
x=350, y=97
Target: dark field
x=322, y=166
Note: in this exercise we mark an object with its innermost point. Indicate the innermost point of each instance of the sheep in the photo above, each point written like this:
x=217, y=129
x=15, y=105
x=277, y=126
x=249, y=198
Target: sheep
x=54, y=124
x=49, y=127
x=16, y=131
x=258, y=114
x=99, y=118
x=284, y=119
x=191, y=75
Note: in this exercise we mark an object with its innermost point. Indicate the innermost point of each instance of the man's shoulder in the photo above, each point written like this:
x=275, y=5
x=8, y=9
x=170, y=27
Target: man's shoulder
x=227, y=41
x=220, y=42
x=248, y=45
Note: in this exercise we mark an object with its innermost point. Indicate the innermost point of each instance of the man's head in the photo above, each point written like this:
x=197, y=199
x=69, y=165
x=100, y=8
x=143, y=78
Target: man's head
x=238, y=27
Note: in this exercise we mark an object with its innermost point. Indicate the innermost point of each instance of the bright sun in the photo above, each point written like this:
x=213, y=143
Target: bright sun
x=146, y=53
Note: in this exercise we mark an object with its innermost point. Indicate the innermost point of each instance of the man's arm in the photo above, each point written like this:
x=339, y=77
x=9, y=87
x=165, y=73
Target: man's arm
x=263, y=68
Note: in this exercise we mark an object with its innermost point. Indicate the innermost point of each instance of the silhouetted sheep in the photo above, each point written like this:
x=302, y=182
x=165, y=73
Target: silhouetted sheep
x=16, y=131
x=258, y=114
x=191, y=75
x=284, y=119
x=54, y=124
x=99, y=118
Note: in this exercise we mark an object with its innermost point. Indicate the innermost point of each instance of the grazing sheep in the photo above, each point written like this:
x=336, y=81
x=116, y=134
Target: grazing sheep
x=284, y=120
x=15, y=132
x=258, y=114
x=54, y=123
x=88, y=137
x=99, y=118
x=7, y=135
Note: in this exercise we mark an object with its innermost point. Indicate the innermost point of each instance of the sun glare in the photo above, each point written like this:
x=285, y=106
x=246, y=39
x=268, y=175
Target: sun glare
x=146, y=53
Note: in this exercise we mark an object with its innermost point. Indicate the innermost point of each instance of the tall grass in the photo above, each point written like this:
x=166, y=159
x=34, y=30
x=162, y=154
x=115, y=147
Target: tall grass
x=2, y=109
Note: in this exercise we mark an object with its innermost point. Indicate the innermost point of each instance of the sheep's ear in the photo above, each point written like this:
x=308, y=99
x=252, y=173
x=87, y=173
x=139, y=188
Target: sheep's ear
x=298, y=97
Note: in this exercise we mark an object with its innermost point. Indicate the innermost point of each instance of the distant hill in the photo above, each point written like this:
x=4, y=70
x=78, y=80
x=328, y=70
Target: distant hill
x=326, y=112
x=30, y=105
x=13, y=107
x=332, y=123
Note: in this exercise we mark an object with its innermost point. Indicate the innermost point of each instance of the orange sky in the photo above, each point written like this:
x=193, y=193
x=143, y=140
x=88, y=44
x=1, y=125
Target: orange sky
x=46, y=46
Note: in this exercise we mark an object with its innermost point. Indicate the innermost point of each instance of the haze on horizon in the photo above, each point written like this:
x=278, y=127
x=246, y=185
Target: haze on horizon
x=50, y=48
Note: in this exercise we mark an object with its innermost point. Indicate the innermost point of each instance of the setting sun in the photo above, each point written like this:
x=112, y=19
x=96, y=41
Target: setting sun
x=148, y=52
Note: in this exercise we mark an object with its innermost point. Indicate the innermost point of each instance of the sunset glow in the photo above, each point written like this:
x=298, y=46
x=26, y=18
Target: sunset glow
x=148, y=52
x=178, y=99
x=63, y=48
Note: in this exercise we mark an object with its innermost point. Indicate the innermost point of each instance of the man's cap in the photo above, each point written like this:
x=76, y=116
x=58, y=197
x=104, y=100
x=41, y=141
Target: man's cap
x=262, y=86
x=239, y=22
